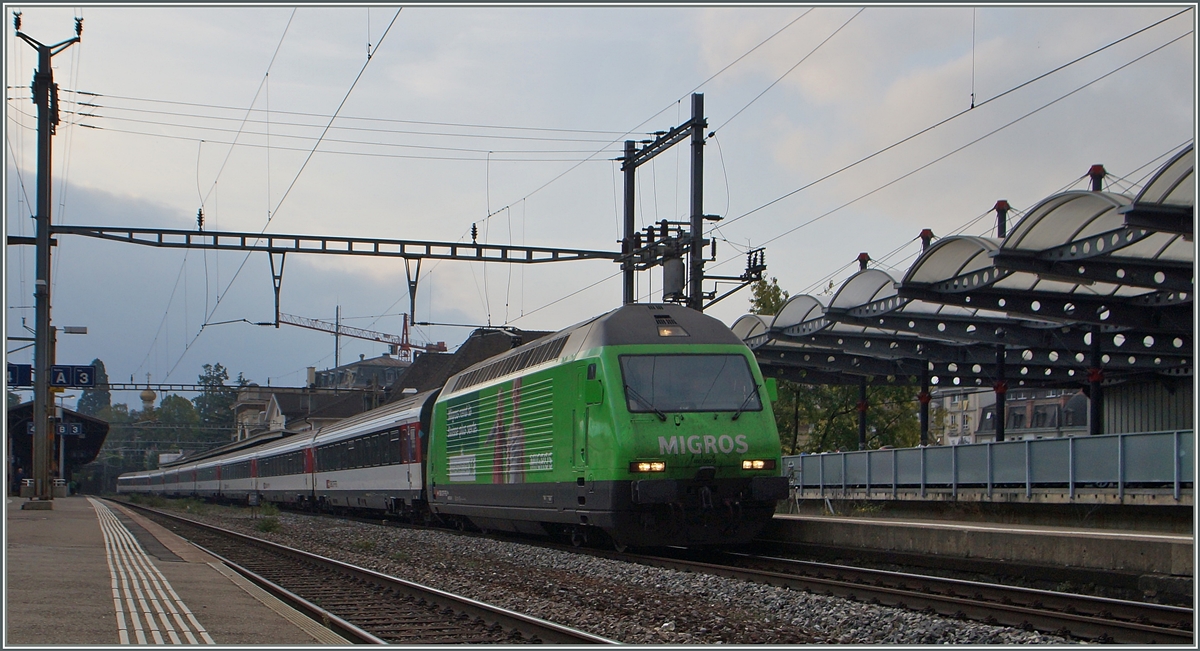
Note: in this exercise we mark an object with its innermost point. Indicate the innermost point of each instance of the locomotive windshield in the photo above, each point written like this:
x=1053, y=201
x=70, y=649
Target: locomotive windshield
x=675, y=383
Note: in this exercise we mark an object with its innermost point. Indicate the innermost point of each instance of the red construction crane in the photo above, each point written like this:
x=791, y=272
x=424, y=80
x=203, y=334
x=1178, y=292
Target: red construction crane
x=401, y=346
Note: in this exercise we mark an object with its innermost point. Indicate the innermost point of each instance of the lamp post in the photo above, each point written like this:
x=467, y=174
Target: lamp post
x=62, y=441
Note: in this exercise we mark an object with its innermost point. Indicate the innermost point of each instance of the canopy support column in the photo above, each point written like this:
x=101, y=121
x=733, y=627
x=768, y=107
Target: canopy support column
x=1095, y=391
x=1001, y=389
x=923, y=398
x=862, y=413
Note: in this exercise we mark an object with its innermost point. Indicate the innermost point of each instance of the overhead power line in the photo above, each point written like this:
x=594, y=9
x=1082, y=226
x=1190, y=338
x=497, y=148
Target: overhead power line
x=370, y=143
x=965, y=146
x=463, y=125
x=287, y=192
x=960, y=114
x=88, y=108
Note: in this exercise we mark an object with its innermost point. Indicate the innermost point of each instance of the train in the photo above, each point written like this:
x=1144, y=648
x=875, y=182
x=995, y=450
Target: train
x=650, y=425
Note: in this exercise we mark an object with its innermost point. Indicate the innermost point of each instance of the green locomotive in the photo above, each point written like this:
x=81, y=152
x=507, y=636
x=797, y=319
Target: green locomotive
x=651, y=423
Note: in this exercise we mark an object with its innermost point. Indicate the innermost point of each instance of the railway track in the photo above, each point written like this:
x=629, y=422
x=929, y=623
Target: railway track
x=1066, y=614
x=1069, y=615
x=366, y=606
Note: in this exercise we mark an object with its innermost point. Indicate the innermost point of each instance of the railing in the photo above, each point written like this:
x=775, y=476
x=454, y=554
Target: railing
x=1144, y=459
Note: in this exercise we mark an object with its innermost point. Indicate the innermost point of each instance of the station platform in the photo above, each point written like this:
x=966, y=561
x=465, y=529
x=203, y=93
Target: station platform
x=1157, y=562
x=88, y=572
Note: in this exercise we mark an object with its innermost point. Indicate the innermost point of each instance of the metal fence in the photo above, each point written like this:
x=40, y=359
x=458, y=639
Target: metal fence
x=1144, y=459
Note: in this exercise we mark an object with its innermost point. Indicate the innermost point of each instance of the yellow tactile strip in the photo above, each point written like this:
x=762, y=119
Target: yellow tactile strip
x=147, y=608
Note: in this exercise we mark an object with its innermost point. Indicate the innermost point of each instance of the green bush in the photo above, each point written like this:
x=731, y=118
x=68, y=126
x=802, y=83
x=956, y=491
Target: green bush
x=268, y=525
x=269, y=509
x=363, y=545
x=192, y=506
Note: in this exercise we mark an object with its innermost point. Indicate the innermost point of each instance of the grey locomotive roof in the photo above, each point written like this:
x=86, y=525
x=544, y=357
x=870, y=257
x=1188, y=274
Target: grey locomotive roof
x=638, y=324
x=626, y=325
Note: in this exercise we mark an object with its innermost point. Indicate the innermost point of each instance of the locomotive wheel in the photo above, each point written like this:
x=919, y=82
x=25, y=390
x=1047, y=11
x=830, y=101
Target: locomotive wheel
x=578, y=538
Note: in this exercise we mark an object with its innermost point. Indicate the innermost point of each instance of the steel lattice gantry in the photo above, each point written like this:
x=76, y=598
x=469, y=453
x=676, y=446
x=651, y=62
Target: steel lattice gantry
x=281, y=244
x=277, y=246
x=1089, y=287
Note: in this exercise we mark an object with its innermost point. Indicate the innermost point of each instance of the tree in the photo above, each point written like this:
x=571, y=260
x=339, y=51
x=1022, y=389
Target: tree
x=214, y=406
x=178, y=414
x=829, y=413
x=767, y=298
x=97, y=399
x=13, y=399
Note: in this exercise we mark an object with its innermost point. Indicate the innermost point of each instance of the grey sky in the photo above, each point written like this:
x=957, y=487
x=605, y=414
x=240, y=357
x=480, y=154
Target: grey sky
x=162, y=151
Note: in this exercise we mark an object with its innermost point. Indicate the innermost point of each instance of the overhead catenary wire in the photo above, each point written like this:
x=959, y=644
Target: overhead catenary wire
x=660, y=112
x=949, y=119
x=367, y=154
x=1151, y=165
x=960, y=114
x=972, y=142
x=285, y=194
x=203, y=200
x=789, y=70
x=89, y=109
x=499, y=127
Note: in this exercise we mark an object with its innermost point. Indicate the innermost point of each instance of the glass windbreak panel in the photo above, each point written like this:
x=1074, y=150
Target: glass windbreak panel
x=674, y=383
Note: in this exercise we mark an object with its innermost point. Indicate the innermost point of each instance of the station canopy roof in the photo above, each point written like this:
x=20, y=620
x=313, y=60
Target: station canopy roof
x=1085, y=280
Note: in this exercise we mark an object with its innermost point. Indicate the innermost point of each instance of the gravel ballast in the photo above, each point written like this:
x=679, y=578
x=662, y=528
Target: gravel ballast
x=629, y=603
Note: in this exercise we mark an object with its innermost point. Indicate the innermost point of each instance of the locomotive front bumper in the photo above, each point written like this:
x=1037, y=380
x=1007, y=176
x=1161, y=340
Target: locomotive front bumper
x=674, y=491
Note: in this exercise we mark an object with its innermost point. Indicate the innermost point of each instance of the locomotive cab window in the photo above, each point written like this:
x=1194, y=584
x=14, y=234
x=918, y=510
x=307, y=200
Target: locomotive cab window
x=688, y=383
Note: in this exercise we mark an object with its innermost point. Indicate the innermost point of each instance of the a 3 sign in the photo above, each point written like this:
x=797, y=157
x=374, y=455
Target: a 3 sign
x=21, y=375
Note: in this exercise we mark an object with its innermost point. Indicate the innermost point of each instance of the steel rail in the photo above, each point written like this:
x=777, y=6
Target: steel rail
x=450, y=606
x=1069, y=615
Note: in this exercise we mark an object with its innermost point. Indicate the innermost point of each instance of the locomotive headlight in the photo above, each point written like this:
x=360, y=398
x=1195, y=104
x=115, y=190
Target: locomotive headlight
x=647, y=466
x=758, y=464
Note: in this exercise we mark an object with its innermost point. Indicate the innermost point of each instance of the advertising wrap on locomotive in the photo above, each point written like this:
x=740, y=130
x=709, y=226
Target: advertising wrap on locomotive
x=648, y=425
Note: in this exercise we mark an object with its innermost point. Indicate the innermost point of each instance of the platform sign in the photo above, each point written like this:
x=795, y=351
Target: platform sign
x=83, y=376
x=69, y=429
x=60, y=429
x=72, y=376
x=20, y=375
x=61, y=376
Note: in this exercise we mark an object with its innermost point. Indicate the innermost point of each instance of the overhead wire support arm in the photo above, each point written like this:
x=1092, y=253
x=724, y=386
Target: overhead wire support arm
x=755, y=266
x=662, y=143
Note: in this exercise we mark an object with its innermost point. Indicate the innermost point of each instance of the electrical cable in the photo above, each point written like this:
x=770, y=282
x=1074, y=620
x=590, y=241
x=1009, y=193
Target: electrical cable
x=1013, y=211
x=356, y=153
x=272, y=214
x=203, y=200
x=961, y=113
x=973, y=142
x=251, y=108
x=91, y=107
x=559, y=300
x=643, y=123
x=354, y=118
x=789, y=71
